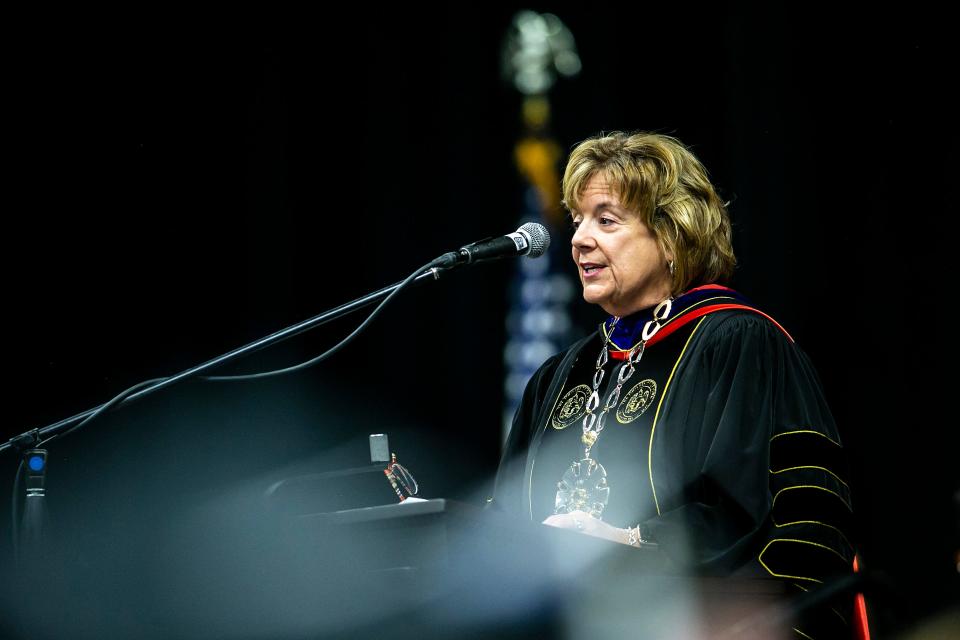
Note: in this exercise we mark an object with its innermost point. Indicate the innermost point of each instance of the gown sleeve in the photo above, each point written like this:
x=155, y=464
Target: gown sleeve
x=508, y=486
x=762, y=479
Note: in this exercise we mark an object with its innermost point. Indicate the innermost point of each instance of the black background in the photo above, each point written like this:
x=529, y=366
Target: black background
x=178, y=186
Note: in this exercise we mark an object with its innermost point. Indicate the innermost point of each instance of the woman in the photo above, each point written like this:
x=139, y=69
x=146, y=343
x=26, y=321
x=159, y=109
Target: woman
x=690, y=419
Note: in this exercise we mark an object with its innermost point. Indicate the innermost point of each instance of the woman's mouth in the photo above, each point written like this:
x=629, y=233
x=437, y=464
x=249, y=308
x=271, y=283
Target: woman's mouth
x=591, y=269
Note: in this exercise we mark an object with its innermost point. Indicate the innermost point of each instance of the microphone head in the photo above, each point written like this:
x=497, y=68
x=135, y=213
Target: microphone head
x=538, y=236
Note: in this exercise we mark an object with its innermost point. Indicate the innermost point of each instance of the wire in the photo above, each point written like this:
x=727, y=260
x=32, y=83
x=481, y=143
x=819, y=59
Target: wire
x=254, y=376
x=340, y=345
x=107, y=405
x=15, y=528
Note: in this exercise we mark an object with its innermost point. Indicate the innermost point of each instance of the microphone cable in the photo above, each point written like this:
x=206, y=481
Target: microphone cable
x=337, y=347
x=251, y=376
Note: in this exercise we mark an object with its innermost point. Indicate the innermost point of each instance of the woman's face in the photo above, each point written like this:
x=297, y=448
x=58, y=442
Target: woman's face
x=621, y=266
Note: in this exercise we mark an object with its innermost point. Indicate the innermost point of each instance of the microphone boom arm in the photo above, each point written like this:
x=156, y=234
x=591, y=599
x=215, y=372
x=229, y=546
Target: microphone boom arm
x=531, y=239
x=32, y=437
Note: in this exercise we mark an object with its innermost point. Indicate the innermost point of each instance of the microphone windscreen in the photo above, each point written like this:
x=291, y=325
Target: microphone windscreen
x=539, y=238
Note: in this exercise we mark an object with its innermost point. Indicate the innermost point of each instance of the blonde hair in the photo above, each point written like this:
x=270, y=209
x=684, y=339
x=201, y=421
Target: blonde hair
x=658, y=178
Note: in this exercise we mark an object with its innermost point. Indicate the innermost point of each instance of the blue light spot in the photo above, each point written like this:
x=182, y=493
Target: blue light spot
x=36, y=463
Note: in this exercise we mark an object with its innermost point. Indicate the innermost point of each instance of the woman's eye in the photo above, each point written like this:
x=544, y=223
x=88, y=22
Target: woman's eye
x=606, y=220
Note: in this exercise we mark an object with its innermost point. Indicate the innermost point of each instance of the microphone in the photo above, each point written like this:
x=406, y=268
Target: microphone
x=531, y=240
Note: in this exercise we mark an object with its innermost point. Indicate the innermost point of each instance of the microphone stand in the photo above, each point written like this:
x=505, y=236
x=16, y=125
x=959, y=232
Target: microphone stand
x=33, y=463
x=33, y=437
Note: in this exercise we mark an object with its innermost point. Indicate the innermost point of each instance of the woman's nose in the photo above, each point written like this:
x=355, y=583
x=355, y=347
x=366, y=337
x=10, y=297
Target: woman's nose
x=581, y=237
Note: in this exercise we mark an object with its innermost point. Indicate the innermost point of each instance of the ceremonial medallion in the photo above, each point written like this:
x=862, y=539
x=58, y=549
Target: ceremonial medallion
x=583, y=487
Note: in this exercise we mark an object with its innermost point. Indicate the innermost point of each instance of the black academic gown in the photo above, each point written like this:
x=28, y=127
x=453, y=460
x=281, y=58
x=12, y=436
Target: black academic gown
x=733, y=466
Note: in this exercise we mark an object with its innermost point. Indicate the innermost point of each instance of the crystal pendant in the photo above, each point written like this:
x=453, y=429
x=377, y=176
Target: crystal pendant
x=583, y=487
